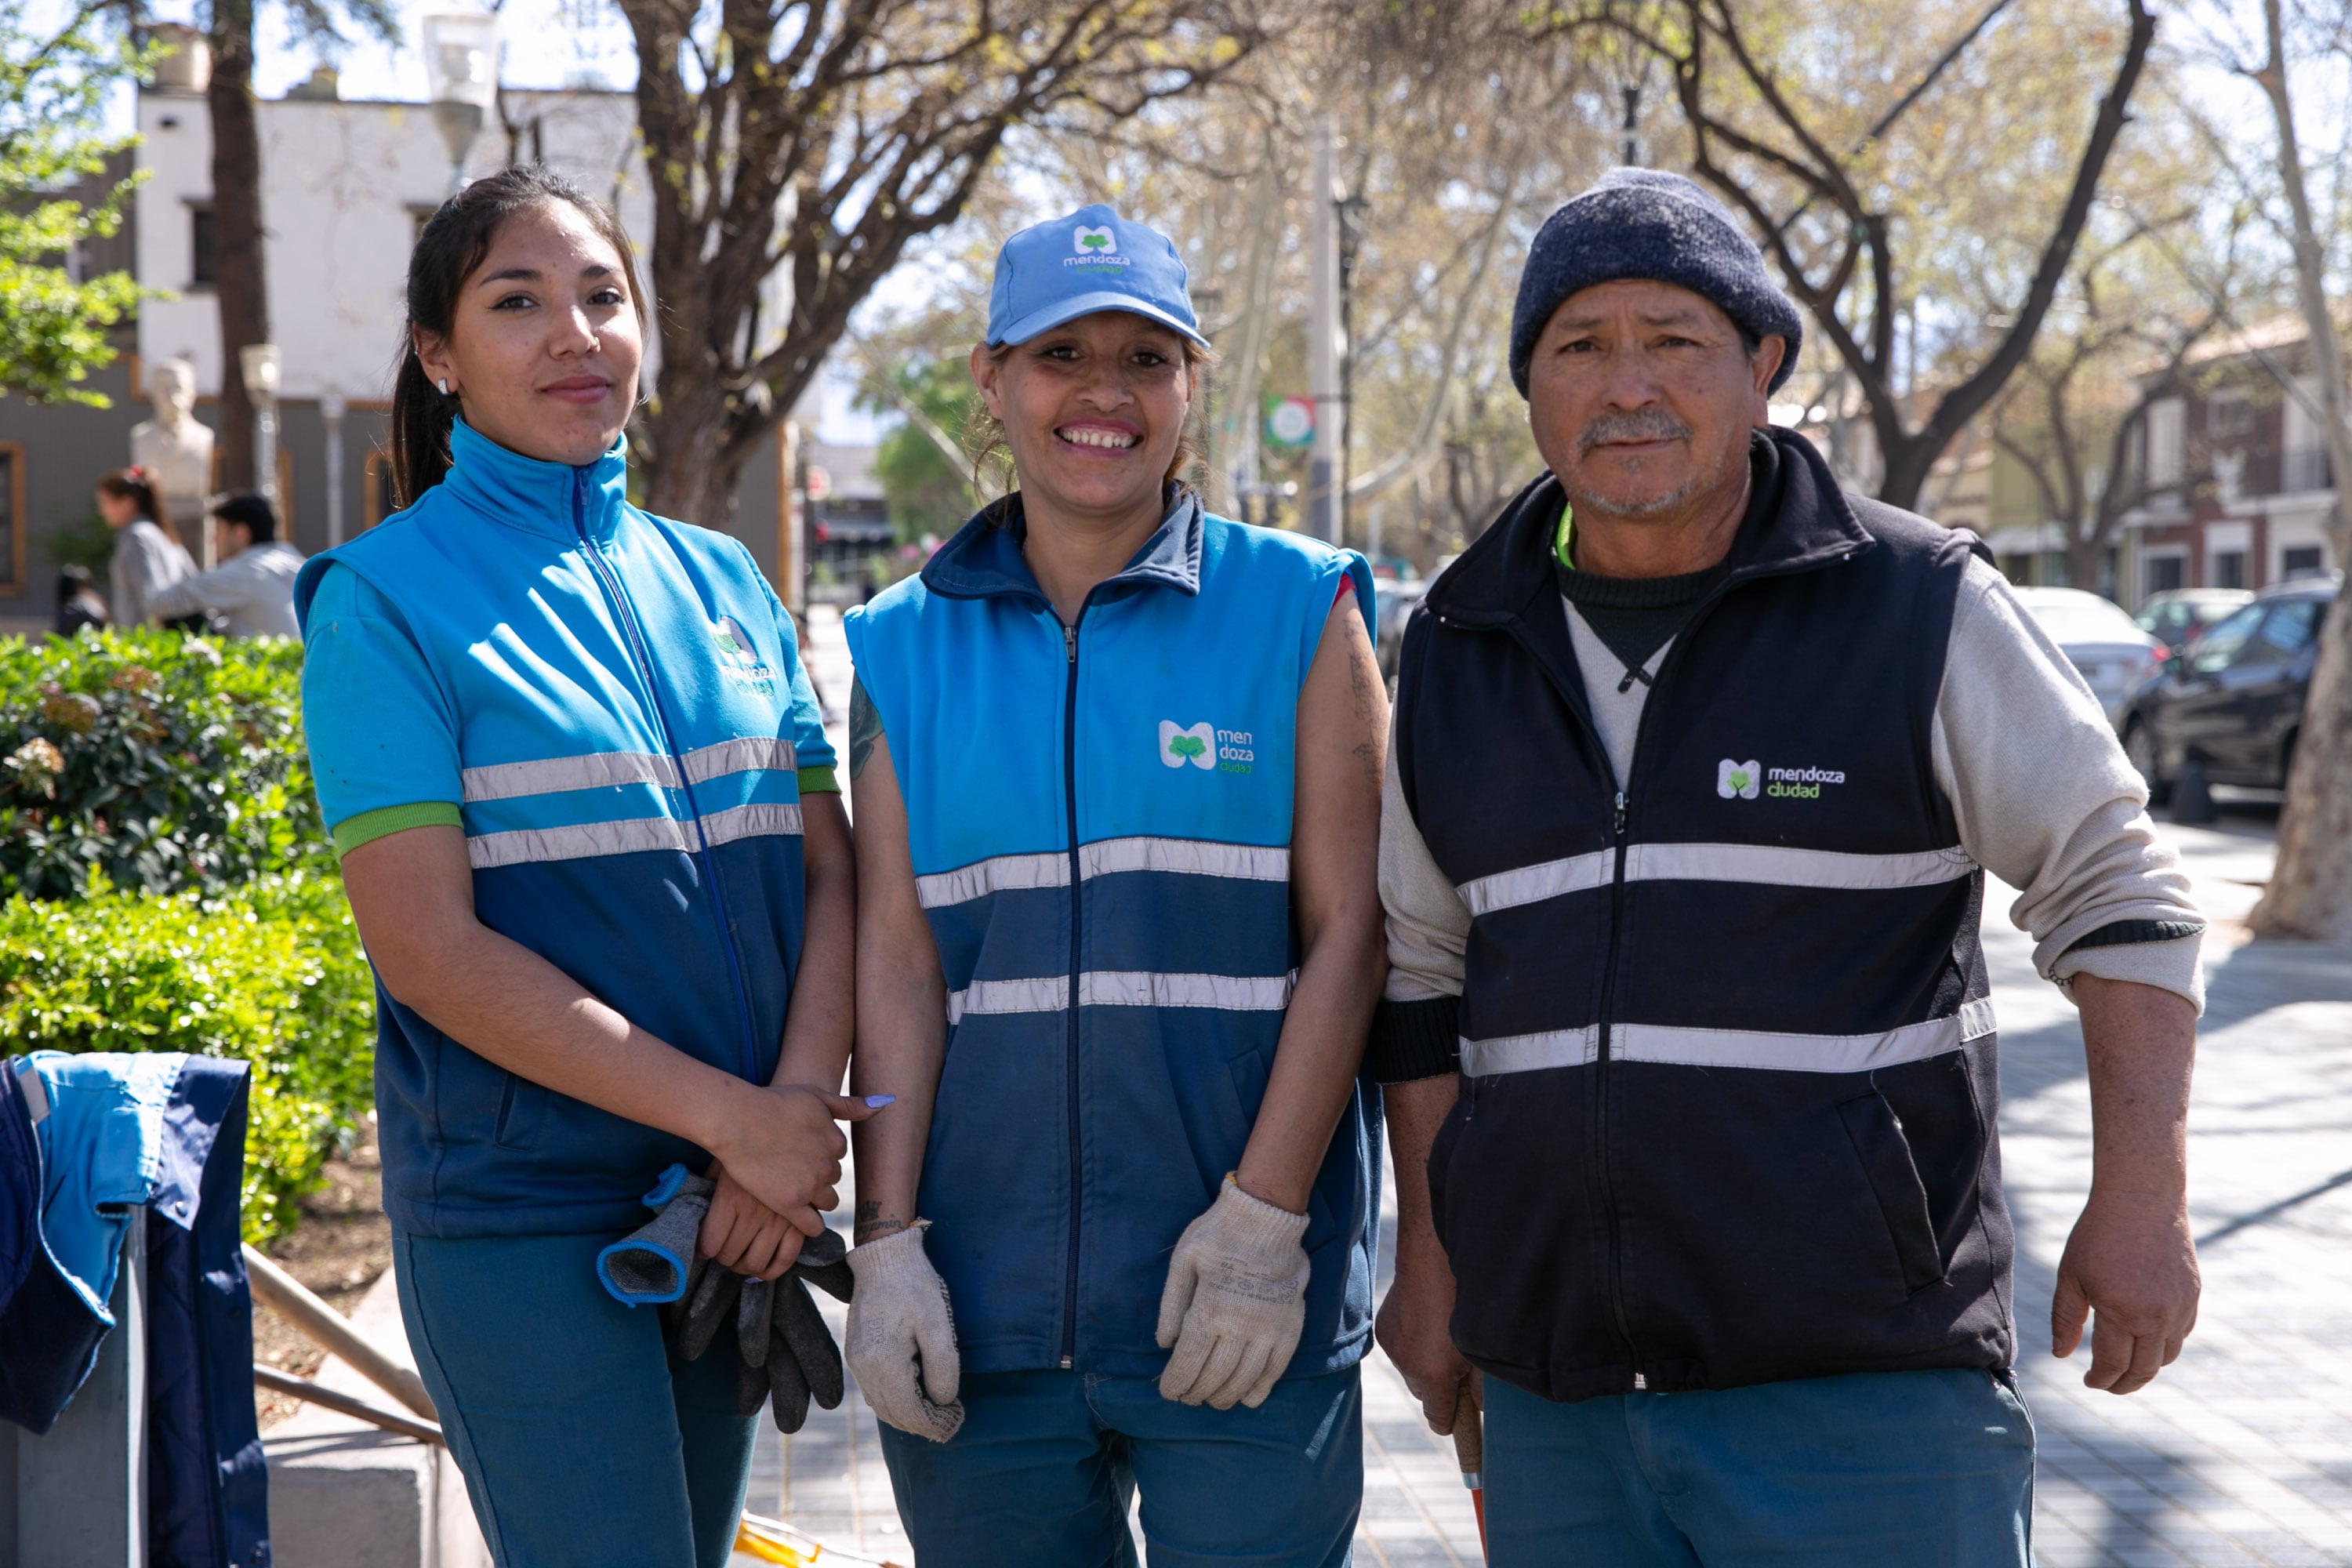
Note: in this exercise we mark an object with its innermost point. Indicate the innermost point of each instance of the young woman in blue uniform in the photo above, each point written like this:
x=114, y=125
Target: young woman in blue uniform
x=1117, y=768
x=591, y=833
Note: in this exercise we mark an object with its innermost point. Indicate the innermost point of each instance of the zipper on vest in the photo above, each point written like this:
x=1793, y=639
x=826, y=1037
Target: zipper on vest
x=1602, y=1078
x=626, y=612
x=1070, y=1031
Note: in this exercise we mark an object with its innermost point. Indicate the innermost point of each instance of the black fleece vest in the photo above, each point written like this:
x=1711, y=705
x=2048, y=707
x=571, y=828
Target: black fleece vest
x=1730, y=1089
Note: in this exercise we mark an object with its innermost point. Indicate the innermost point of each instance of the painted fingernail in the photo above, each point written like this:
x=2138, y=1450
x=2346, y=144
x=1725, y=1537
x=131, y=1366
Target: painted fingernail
x=878, y=1100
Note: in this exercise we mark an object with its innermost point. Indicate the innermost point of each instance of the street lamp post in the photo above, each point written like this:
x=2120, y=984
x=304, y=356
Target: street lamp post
x=461, y=70
x=260, y=363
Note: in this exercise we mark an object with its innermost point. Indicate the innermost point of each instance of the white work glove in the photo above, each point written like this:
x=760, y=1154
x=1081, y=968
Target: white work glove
x=1235, y=1302
x=901, y=1340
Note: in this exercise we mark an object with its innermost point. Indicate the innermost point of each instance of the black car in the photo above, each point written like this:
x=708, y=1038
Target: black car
x=2225, y=709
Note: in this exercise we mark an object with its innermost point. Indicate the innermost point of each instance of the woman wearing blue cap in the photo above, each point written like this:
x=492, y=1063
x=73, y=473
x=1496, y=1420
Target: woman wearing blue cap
x=1120, y=978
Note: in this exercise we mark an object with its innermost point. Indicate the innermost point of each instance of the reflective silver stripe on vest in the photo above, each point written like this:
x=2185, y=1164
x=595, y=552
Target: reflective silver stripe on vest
x=1671, y=1046
x=577, y=842
x=763, y=820
x=1103, y=858
x=1046, y=995
x=1185, y=857
x=1143, y=988
x=1785, y=868
x=553, y=776
x=1533, y=884
x=1002, y=873
x=741, y=755
x=602, y=770
x=1765, y=863
x=1531, y=1053
x=1124, y=988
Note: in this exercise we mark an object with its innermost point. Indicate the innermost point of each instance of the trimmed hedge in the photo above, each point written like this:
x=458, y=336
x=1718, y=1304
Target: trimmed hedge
x=270, y=971
x=154, y=761
x=167, y=885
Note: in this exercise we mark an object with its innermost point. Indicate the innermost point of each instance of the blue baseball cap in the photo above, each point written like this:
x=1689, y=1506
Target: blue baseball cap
x=1092, y=260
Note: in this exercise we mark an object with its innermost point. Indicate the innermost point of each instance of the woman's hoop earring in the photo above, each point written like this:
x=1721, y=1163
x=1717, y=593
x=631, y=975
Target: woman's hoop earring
x=443, y=385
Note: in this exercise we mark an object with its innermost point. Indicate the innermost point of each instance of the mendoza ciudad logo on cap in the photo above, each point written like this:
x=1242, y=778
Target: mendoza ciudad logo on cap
x=1093, y=259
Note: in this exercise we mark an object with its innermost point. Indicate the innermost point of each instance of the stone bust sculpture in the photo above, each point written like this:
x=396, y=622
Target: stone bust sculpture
x=175, y=450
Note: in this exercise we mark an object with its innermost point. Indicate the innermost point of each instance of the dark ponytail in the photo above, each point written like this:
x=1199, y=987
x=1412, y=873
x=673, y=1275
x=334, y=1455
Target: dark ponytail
x=454, y=241
x=135, y=484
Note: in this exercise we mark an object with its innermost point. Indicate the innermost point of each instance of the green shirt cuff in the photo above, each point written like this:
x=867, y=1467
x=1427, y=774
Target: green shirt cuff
x=819, y=781
x=370, y=825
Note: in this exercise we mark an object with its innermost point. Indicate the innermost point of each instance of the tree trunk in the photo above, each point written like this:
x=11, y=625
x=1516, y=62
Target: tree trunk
x=240, y=283
x=1904, y=463
x=692, y=479
x=2310, y=893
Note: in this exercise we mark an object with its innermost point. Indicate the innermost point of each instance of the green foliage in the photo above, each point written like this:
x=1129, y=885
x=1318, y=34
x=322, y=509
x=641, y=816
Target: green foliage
x=1186, y=746
x=154, y=761
x=926, y=491
x=85, y=542
x=52, y=328
x=270, y=971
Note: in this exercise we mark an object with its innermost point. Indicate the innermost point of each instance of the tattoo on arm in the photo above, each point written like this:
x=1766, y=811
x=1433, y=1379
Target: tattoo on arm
x=1370, y=700
x=865, y=727
x=872, y=1224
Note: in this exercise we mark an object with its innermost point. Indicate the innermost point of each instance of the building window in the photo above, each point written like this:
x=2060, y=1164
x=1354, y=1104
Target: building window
x=201, y=269
x=2228, y=569
x=2166, y=572
x=2229, y=415
x=2303, y=561
x=2167, y=422
x=12, y=518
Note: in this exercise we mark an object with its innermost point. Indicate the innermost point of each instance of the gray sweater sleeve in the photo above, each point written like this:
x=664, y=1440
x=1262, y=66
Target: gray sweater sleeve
x=2048, y=803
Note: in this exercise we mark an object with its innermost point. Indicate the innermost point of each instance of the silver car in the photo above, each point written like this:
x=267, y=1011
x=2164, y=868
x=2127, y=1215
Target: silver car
x=2102, y=642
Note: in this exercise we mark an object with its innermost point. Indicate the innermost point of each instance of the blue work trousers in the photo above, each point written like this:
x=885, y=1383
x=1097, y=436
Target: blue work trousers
x=1046, y=1462
x=1896, y=1469
x=584, y=1441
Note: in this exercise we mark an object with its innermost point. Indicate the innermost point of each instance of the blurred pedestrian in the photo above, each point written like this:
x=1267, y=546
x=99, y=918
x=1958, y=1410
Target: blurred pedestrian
x=251, y=592
x=148, y=556
x=1688, y=1046
x=79, y=604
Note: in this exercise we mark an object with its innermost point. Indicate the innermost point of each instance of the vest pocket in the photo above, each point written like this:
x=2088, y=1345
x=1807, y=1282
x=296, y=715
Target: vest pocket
x=520, y=1104
x=1876, y=1134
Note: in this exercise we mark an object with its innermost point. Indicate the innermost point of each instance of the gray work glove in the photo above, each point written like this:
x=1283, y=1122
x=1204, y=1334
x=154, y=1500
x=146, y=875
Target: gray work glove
x=1235, y=1302
x=657, y=1263
x=902, y=1342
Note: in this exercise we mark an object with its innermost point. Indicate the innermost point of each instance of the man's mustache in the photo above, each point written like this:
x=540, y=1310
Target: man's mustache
x=1644, y=425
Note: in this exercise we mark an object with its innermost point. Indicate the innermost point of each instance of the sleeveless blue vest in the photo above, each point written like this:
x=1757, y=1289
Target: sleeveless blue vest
x=1100, y=822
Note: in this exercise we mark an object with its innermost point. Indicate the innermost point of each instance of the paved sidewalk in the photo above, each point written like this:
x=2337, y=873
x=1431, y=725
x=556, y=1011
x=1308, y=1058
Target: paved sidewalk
x=2241, y=1451
x=2240, y=1454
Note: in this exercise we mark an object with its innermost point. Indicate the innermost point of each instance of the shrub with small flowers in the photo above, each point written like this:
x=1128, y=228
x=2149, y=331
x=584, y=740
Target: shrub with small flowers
x=163, y=762
x=167, y=885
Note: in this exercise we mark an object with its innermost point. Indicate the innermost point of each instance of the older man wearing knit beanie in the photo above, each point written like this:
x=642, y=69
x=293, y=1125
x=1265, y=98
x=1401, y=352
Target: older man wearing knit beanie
x=1688, y=1045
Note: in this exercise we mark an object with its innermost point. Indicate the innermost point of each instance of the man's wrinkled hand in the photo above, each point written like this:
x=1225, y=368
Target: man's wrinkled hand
x=2132, y=1263
x=1413, y=1327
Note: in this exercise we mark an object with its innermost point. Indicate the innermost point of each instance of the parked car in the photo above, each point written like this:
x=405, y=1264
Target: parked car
x=2181, y=616
x=2102, y=642
x=2227, y=708
x=1393, y=606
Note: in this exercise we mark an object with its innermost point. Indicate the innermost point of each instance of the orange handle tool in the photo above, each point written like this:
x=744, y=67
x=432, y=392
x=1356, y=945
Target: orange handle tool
x=1470, y=1453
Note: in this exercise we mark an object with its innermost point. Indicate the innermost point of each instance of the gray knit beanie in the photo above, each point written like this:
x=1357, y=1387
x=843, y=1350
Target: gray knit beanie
x=1647, y=222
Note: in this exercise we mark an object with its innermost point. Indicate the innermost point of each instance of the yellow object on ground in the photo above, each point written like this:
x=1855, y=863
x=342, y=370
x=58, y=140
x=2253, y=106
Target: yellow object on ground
x=767, y=1539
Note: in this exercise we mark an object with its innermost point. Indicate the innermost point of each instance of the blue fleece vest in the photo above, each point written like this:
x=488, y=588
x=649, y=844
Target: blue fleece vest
x=612, y=707
x=1100, y=823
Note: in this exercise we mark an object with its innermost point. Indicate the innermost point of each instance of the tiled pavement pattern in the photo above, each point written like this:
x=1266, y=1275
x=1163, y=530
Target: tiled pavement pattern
x=2240, y=1454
